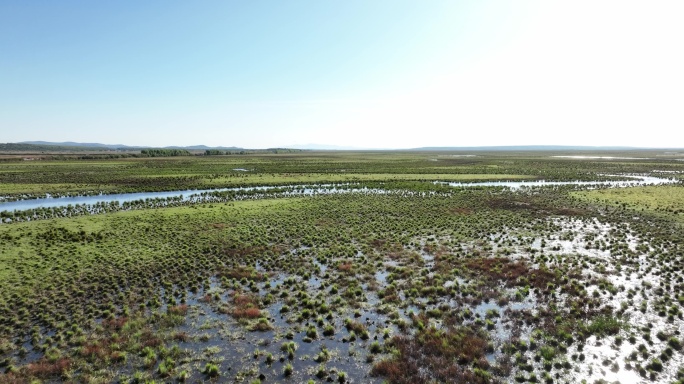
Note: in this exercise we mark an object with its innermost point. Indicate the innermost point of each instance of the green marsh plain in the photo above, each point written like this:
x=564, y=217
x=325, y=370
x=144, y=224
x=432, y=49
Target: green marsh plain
x=403, y=280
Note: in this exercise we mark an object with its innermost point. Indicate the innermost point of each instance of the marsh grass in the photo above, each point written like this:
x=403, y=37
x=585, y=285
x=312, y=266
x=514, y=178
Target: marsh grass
x=480, y=285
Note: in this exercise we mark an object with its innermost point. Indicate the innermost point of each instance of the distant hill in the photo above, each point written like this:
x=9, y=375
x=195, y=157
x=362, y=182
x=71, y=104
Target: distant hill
x=70, y=146
x=496, y=148
x=26, y=147
x=204, y=147
x=326, y=147
x=76, y=146
x=73, y=144
x=526, y=148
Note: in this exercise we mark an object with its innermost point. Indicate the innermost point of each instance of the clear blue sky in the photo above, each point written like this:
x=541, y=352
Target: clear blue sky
x=381, y=74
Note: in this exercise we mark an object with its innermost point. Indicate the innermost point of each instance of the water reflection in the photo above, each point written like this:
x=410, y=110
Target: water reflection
x=199, y=194
x=637, y=180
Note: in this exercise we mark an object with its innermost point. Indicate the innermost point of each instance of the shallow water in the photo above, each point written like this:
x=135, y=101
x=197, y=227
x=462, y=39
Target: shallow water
x=232, y=346
x=198, y=194
x=184, y=195
x=604, y=157
x=49, y=201
x=638, y=180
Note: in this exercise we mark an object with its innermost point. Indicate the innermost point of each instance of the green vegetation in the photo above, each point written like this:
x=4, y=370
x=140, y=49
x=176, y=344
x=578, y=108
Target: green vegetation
x=419, y=282
x=284, y=168
x=164, y=152
x=667, y=200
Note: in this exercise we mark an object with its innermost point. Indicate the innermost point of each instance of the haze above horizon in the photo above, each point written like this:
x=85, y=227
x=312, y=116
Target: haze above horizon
x=369, y=74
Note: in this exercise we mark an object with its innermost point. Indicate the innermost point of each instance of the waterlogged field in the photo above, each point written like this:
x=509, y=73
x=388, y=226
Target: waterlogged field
x=405, y=280
x=21, y=179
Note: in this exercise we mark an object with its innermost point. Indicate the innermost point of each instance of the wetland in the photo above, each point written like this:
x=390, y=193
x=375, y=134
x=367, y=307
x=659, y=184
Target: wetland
x=356, y=267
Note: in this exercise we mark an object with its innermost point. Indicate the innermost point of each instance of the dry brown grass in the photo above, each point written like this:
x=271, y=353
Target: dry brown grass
x=245, y=306
x=514, y=273
x=46, y=369
x=436, y=356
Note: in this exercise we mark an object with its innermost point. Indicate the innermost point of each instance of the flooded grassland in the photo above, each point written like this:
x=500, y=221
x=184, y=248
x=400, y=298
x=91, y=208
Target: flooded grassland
x=420, y=283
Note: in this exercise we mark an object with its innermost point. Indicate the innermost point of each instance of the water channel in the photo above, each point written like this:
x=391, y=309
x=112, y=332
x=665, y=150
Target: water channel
x=636, y=181
x=188, y=195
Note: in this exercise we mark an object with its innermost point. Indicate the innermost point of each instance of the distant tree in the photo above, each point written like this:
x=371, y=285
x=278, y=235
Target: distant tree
x=164, y=152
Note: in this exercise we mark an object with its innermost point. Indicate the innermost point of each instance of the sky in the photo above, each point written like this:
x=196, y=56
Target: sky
x=352, y=73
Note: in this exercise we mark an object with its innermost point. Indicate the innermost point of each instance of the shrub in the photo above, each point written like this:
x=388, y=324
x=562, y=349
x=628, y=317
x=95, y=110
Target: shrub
x=311, y=332
x=655, y=365
x=261, y=325
x=547, y=352
x=211, y=370
x=329, y=330
x=178, y=310
x=605, y=325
